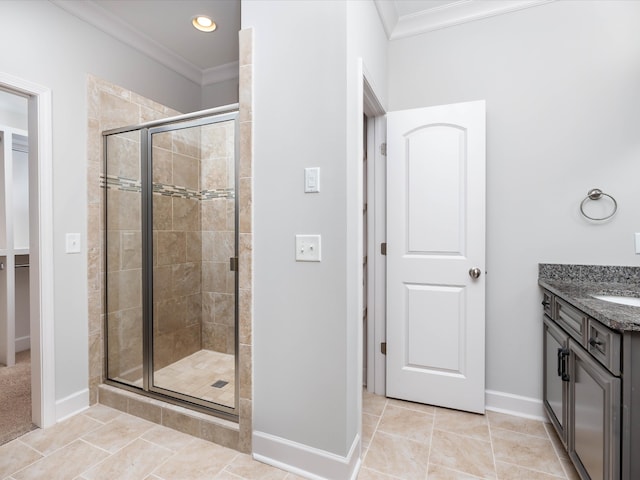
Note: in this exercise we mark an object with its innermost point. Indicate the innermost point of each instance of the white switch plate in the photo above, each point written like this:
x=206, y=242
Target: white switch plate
x=308, y=248
x=312, y=180
x=73, y=243
x=637, y=235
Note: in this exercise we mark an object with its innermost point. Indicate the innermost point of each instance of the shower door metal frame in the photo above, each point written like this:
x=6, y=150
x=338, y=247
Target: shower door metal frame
x=195, y=119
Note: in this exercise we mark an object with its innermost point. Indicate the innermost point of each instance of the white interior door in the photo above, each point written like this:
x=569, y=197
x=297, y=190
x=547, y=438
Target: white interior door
x=435, y=240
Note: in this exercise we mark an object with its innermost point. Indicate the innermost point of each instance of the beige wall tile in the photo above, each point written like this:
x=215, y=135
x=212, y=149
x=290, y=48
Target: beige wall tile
x=172, y=248
x=214, y=214
x=123, y=156
x=186, y=172
x=117, y=111
x=162, y=166
x=131, y=249
x=246, y=205
x=186, y=142
x=194, y=246
x=246, y=150
x=162, y=212
x=246, y=85
x=186, y=214
x=176, y=419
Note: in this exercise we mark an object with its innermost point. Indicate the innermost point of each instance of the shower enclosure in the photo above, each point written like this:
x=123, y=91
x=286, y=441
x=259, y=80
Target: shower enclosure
x=171, y=242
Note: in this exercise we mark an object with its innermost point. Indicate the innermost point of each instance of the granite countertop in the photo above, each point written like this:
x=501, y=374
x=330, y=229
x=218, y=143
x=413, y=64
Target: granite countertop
x=576, y=283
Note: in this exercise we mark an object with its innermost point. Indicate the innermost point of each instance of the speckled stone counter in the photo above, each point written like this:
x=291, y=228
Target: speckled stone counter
x=576, y=284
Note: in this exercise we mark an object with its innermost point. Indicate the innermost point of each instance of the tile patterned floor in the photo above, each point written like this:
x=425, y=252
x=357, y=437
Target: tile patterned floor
x=194, y=375
x=408, y=441
x=401, y=441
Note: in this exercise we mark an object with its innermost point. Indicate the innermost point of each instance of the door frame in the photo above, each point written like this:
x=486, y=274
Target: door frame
x=41, y=271
x=376, y=136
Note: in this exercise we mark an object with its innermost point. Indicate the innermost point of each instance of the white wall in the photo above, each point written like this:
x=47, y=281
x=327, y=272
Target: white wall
x=220, y=93
x=307, y=375
x=57, y=50
x=561, y=83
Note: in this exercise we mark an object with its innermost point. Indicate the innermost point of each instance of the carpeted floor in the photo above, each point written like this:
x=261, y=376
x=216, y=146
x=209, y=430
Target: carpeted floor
x=15, y=398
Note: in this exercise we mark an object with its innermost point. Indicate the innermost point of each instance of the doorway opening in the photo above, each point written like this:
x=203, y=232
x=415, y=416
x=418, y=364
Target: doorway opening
x=35, y=142
x=374, y=236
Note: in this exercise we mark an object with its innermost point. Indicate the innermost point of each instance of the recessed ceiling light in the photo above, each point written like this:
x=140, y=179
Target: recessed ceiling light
x=204, y=23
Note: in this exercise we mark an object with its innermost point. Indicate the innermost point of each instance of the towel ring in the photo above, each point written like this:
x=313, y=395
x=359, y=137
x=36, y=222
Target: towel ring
x=597, y=194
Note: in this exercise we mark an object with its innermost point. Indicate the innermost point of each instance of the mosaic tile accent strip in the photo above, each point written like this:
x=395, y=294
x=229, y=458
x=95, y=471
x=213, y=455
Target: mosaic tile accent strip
x=128, y=185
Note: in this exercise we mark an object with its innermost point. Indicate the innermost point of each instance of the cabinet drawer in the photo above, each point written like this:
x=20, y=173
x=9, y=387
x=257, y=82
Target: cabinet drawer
x=571, y=319
x=604, y=344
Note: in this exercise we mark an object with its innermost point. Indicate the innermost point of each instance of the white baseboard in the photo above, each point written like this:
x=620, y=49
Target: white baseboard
x=71, y=405
x=305, y=461
x=517, y=405
x=23, y=343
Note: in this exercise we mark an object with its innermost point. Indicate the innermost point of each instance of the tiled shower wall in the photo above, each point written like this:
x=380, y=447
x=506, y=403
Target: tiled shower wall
x=218, y=237
x=110, y=106
x=177, y=267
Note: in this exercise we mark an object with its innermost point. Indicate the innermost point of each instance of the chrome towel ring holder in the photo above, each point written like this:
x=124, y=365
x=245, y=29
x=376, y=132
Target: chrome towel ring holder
x=597, y=194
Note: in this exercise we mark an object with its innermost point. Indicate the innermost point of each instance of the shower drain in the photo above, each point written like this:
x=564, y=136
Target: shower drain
x=219, y=384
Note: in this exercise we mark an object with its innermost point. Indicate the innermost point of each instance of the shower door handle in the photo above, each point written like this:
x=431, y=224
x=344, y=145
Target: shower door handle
x=233, y=264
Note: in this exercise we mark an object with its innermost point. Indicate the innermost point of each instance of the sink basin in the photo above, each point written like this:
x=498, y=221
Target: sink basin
x=622, y=300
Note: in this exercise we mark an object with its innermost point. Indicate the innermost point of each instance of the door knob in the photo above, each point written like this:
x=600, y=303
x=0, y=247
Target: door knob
x=474, y=272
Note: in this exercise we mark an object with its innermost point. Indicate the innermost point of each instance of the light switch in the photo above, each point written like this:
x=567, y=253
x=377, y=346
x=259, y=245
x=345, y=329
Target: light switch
x=73, y=243
x=308, y=248
x=637, y=243
x=312, y=180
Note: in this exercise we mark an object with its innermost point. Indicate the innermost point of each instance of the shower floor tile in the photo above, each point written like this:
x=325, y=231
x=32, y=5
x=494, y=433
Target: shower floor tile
x=195, y=375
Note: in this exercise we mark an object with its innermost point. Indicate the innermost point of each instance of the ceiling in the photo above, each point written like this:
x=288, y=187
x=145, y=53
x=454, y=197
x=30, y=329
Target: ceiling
x=405, y=18
x=163, y=30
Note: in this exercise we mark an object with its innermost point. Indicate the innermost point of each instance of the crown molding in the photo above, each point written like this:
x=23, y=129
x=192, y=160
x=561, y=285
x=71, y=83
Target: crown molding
x=110, y=24
x=445, y=16
x=228, y=71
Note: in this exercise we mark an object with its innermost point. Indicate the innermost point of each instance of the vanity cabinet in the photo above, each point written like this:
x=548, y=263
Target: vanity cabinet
x=583, y=388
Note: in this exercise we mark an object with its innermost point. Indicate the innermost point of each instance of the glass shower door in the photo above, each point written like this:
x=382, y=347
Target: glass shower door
x=193, y=337
x=123, y=262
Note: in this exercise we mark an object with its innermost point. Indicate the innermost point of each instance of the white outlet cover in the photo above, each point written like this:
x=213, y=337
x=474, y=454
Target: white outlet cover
x=308, y=248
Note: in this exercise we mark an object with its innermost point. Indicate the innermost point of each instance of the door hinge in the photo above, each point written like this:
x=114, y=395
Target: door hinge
x=383, y=248
x=383, y=348
x=233, y=264
x=383, y=149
